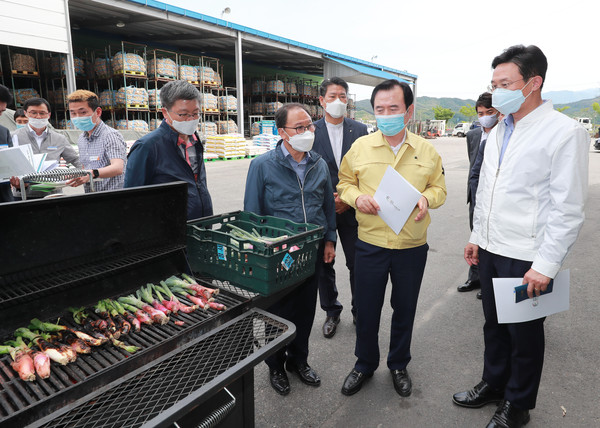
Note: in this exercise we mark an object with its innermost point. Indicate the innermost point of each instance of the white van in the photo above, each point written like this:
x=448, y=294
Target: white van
x=586, y=122
x=461, y=129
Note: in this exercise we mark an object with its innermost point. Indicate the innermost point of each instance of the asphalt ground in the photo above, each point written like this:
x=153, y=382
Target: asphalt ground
x=447, y=346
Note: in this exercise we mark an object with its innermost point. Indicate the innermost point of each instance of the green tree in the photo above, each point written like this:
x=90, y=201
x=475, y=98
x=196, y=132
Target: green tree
x=596, y=108
x=561, y=109
x=441, y=113
x=468, y=111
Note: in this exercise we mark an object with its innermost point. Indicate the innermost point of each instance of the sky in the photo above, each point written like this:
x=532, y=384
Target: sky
x=449, y=45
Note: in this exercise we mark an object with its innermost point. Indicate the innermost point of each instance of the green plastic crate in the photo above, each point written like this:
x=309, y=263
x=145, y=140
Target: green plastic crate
x=262, y=268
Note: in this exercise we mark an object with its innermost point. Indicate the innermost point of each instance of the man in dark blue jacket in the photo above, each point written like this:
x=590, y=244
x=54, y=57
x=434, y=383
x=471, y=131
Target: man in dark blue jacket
x=334, y=135
x=174, y=152
x=292, y=182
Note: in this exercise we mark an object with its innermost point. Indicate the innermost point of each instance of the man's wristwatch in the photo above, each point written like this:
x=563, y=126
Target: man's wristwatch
x=95, y=173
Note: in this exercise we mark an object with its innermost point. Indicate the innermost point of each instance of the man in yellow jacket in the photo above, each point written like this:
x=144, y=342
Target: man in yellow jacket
x=380, y=252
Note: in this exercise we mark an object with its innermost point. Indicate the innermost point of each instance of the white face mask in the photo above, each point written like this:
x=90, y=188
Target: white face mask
x=336, y=109
x=38, y=123
x=488, y=121
x=185, y=127
x=302, y=142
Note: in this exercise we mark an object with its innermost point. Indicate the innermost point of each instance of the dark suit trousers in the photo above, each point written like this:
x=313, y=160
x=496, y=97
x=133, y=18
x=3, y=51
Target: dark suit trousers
x=299, y=307
x=514, y=353
x=347, y=230
x=373, y=266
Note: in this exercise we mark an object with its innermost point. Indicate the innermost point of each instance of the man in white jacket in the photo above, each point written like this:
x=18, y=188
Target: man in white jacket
x=530, y=202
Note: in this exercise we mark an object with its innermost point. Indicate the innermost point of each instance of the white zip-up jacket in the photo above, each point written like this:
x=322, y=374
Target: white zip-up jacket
x=531, y=206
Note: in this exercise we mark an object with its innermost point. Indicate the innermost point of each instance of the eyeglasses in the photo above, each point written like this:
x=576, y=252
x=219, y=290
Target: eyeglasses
x=302, y=129
x=505, y=85
x=37, y=113
x=188, y=116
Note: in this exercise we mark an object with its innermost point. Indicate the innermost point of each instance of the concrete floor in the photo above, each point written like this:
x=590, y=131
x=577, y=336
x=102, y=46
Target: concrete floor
x=447, y=342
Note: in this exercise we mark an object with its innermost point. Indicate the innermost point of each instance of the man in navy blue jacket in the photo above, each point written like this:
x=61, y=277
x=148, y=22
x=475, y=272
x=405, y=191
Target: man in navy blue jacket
x=5, y=140
x=334, y=135
x=174, y=152
x=293, y=182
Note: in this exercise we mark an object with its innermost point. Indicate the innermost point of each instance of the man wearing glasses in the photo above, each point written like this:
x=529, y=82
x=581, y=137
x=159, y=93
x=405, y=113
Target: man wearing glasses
x=293, y=182
x=529, y=210
x=44, y=139
x=174, y=152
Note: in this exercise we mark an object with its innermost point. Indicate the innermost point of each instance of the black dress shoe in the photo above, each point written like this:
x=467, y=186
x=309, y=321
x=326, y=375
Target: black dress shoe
x=330, y=326
x=279, y=381
x=469, y=285
x=402, y=382
x=507, y=416
x=306, y=374
x=478, y=396
x=354, y=381
x=479, y=295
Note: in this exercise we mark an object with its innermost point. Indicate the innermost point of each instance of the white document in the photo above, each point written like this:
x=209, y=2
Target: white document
x=397, y=198
x=510, y=312
x=19, y=161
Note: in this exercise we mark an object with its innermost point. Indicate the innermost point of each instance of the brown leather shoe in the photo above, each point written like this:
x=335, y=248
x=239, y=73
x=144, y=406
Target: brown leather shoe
x=330, y=326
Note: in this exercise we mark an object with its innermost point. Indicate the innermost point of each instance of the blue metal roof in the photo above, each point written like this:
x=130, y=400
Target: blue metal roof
x=226, y=24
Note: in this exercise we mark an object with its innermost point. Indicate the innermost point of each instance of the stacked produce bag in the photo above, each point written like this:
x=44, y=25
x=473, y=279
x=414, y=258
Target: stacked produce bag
x=128, y=62
x=131, y=95
x=162, y=67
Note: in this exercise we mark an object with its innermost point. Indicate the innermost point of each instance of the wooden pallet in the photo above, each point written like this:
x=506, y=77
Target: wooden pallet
x=132, y=106
x=131, y=73
x=26, y=72
x=210, y=110
x=162, y=76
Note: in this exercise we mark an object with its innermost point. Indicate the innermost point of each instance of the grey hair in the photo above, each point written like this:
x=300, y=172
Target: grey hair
x=178, y=90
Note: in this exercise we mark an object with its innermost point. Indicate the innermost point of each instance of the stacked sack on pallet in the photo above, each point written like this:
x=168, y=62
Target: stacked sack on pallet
x=154, y=123
x=188, y=72
x=312, y=109
x=306, y=90
x=129, y=62
x=255, y=128
x=209, y=102
x=258, y=108
x=154, y=99
x=291, y=88
x=65, y=124
x=162, y=67
x=266, y=141
x=258, y=87
x=57, y=96
x=227, y=127
x=206, y=74
x=58, y=65
x=102, y=68
x=132, y=125
x=207, y=128
x=273, y=107
x=107, y=99
x=22, y=62
x=132, y=96
x=22, y=95
x=227, y=103
x=226, y=146
x=275, y=87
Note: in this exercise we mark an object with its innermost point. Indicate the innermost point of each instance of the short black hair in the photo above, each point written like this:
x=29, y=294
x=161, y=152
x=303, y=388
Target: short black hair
x=36, y=102
x=386, y=85
x=5, y=95
x=530, y=60
x=332, y=81
x=281, y=115
x=484, y=100
x=19, y=113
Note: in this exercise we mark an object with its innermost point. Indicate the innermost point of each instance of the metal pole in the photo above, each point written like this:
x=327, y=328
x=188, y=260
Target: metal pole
x=70, y=71
x=239, y=77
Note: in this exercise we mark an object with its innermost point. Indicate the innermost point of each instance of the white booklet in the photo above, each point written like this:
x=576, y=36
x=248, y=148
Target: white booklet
x=530, y=309
x=18, y=161
x=397, y=198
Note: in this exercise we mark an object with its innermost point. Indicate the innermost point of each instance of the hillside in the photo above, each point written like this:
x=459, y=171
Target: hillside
x=425, y=105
